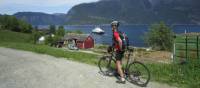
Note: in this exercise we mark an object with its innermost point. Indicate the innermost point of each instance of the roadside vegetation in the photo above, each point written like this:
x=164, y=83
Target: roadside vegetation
x=21, y=41
x=11, y=23
x=181, y=75
x=160, y=37
x=186, y=75
x=76, y=32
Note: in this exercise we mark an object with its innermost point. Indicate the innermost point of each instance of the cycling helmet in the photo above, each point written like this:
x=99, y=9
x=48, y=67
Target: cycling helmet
x=116, y=23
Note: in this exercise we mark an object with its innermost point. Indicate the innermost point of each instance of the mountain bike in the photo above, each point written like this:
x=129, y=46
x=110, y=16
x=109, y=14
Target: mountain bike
x=135, y=72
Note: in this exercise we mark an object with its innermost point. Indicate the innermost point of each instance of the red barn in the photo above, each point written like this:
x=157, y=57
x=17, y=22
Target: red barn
x=81, y=41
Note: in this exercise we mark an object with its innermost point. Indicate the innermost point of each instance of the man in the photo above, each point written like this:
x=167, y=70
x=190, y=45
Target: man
x=119, y=51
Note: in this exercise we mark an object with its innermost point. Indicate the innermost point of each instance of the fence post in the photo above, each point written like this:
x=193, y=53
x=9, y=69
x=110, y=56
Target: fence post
x=174, y=50
x=197, y=47
x=186, y=53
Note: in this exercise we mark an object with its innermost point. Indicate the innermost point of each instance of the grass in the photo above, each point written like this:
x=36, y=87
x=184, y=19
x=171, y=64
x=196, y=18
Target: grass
x=21, y=41
x=183, y=76
x=193, y=43
x=7, y=36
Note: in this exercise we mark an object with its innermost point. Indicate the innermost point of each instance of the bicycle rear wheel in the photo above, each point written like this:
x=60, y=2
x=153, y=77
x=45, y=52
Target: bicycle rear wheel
x=138, y=73
x=106, y=65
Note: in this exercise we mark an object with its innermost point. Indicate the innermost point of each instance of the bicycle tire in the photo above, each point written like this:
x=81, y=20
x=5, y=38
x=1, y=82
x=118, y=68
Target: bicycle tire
x=136, y=75
x=105, y=64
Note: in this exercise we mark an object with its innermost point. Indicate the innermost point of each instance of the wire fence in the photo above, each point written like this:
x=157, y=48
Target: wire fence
x=186, y=47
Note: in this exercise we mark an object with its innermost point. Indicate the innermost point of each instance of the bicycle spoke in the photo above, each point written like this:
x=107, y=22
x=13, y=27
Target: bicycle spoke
x=106, y=65
x=138, y=73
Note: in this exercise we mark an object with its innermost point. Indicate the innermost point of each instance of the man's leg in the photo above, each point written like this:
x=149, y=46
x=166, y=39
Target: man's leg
x=119, y=56
x=120, y=71
x=119, y=68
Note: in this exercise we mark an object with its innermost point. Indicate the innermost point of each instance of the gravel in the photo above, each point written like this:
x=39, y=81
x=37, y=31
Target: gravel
x=22, y=69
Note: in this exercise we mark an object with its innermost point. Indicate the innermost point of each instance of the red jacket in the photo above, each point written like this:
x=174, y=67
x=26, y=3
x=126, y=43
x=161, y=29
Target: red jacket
x=116, y=36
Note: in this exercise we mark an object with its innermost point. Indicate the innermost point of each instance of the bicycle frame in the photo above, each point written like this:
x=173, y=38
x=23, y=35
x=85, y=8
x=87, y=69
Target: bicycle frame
x=131, y=73
x=130, y=51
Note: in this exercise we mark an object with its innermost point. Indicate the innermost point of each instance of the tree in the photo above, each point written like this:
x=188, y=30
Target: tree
x=25, y=27
x=1, y=23
x=160, y=37
x=30, y=28
x=12, y=23
x=36, y=27
x=60, y=31
x=35, y=36
x=52, y=29
x=49, y=40
x=78, y=32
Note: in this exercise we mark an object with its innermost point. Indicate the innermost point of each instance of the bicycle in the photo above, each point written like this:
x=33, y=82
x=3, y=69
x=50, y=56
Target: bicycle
x=135, y=72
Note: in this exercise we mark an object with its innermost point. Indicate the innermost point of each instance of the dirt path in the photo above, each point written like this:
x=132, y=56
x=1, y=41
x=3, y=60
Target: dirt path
x=21, y=69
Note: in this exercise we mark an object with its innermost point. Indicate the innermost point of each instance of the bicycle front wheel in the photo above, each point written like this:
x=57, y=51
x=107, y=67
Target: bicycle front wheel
x=106, y=65
x=138, y=73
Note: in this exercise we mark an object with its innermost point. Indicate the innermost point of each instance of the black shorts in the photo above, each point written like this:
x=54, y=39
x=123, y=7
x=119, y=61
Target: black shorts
x=119, y=55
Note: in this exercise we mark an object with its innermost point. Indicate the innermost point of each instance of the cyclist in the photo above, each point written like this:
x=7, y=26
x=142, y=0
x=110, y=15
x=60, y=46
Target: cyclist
x=117, y=43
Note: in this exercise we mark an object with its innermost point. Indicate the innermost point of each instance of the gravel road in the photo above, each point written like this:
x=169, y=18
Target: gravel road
x=22, y=69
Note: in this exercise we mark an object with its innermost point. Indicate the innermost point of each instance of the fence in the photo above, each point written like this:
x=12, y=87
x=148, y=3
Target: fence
x=186, y=47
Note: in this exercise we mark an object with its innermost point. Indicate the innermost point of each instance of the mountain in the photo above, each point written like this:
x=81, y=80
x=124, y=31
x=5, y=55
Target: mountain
x=136, y=12
x=38, y=18
x=126, y=11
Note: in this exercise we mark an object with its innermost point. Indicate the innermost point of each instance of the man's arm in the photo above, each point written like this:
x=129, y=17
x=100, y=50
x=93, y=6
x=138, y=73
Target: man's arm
x=120, y=42
x=118, y=39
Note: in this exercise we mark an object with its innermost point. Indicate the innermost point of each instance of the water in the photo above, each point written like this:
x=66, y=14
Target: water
x=135, y=33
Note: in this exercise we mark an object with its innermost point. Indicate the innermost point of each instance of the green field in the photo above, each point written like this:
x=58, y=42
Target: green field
x=22, y=41
x=183, y=76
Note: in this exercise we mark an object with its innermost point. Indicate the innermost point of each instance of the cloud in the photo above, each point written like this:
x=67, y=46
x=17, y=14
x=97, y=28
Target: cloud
x=47, y=6
x=27, y=8
x=45, y=2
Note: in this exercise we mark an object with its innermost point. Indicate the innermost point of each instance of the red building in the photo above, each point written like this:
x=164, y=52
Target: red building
x=80, y=40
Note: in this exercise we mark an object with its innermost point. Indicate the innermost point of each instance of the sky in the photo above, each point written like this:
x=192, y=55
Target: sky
x=47, y=6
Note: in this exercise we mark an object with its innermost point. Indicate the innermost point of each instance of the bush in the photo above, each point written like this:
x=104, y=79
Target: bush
x=8, y=22
x=51, y=40
x=0, y=27
x=35, y=36
x=60, y=31
x=25, y=27
x=52, y=29
x=48, y=40
x=159, y=37
x=76, y=32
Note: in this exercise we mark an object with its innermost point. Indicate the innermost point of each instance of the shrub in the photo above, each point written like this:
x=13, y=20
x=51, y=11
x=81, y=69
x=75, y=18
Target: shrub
x=52, y=29
x=76, y=32
x=51, y=40
x=60, y=31
x=160, y=37
x=8, y=22
x=35, y=36
x=48, y=40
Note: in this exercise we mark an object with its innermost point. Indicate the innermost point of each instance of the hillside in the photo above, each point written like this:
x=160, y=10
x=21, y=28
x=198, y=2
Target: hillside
x=38, y=18
x=9, y=36
x=126, y=11
x=136, y=12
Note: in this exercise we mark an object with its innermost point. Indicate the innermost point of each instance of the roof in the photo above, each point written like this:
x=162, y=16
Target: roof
x=80, y=37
